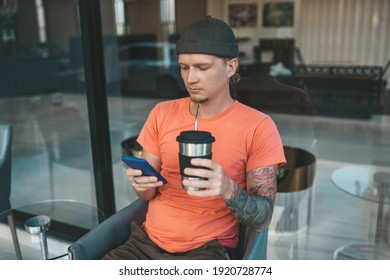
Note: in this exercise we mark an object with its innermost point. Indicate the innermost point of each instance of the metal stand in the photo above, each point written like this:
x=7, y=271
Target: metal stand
x=383, y=180
x=294, y=198
x=39, y=225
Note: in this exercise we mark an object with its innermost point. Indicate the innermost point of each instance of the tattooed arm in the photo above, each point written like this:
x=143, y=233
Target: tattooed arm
x=255, y=207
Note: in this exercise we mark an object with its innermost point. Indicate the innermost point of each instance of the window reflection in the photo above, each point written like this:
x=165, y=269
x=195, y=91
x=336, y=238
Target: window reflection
x=120, y=23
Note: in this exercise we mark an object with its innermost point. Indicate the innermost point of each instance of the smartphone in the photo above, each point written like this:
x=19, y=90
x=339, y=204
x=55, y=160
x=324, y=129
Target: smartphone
x=144, y=166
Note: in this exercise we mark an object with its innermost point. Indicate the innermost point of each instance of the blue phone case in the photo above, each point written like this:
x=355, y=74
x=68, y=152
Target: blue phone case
x=144, y=166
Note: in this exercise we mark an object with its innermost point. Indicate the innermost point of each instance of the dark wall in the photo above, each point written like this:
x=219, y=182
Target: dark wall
x=59, y=12
x=188, y=10
x=144, y=16
x=26, y=23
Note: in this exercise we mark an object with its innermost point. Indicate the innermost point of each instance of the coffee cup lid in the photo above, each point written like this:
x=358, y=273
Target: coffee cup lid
x=195, y=136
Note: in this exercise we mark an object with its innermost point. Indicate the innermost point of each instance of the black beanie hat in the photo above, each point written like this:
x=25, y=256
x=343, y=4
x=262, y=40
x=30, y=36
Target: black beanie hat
x=208, y=35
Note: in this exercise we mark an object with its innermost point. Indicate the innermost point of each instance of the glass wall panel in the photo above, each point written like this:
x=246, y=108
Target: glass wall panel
x=301, y=62
x=43, y=98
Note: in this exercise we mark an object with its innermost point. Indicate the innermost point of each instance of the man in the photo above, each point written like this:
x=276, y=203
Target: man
x=241, y=177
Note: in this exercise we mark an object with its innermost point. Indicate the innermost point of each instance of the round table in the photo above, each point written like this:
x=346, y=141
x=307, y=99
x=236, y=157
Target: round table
x=371, y=184
x=65, y=220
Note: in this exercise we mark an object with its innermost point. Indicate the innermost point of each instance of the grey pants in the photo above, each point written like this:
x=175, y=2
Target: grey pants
x=140, y=247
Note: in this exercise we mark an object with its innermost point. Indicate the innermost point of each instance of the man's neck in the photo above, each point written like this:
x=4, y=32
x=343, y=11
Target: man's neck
x=210, y=108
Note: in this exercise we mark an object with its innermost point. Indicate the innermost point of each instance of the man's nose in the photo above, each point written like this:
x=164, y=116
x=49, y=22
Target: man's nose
x=192, y=76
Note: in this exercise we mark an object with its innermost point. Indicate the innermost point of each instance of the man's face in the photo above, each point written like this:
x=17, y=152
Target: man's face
x=206, y=77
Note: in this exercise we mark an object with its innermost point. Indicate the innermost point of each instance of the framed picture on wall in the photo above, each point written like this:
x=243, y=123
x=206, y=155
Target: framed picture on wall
x=278, y=14
x=242, y=15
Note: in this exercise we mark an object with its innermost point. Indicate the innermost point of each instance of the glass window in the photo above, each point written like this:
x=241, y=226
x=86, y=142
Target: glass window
x=323, y=79
x=43, y=97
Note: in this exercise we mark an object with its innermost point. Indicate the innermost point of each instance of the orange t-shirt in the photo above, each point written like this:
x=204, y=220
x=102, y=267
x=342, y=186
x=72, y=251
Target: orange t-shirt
x=245, y=139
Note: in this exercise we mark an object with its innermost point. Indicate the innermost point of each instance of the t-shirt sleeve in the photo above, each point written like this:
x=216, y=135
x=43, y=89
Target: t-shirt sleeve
x=149, y=135
x=267, y=147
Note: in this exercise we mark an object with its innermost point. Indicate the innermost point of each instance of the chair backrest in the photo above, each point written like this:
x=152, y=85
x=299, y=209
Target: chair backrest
x=5, y=166
x=252, y=245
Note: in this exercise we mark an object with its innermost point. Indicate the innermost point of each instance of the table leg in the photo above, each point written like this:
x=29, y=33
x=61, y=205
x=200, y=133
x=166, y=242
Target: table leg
x=383, y=180
x=44, y=248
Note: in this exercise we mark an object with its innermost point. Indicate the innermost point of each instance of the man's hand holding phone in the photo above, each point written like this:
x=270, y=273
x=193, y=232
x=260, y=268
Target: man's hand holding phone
x=142, y=175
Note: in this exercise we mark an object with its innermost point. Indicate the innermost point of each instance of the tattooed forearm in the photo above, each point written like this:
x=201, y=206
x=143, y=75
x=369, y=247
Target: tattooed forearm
x=255, y=209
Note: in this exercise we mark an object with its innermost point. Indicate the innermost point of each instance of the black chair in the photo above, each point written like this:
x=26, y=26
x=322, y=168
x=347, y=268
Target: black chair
x=116, y=230
x=5, y=183
x=274, y=95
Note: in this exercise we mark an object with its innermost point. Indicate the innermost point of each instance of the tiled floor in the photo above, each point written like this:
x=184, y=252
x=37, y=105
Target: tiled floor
x=337, y=218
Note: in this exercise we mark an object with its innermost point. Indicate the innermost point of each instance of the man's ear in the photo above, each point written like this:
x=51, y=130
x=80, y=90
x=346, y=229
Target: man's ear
x=232, y=66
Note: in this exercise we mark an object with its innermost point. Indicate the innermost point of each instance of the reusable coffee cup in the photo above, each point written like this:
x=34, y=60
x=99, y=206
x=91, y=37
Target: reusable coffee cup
x=193, y=144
